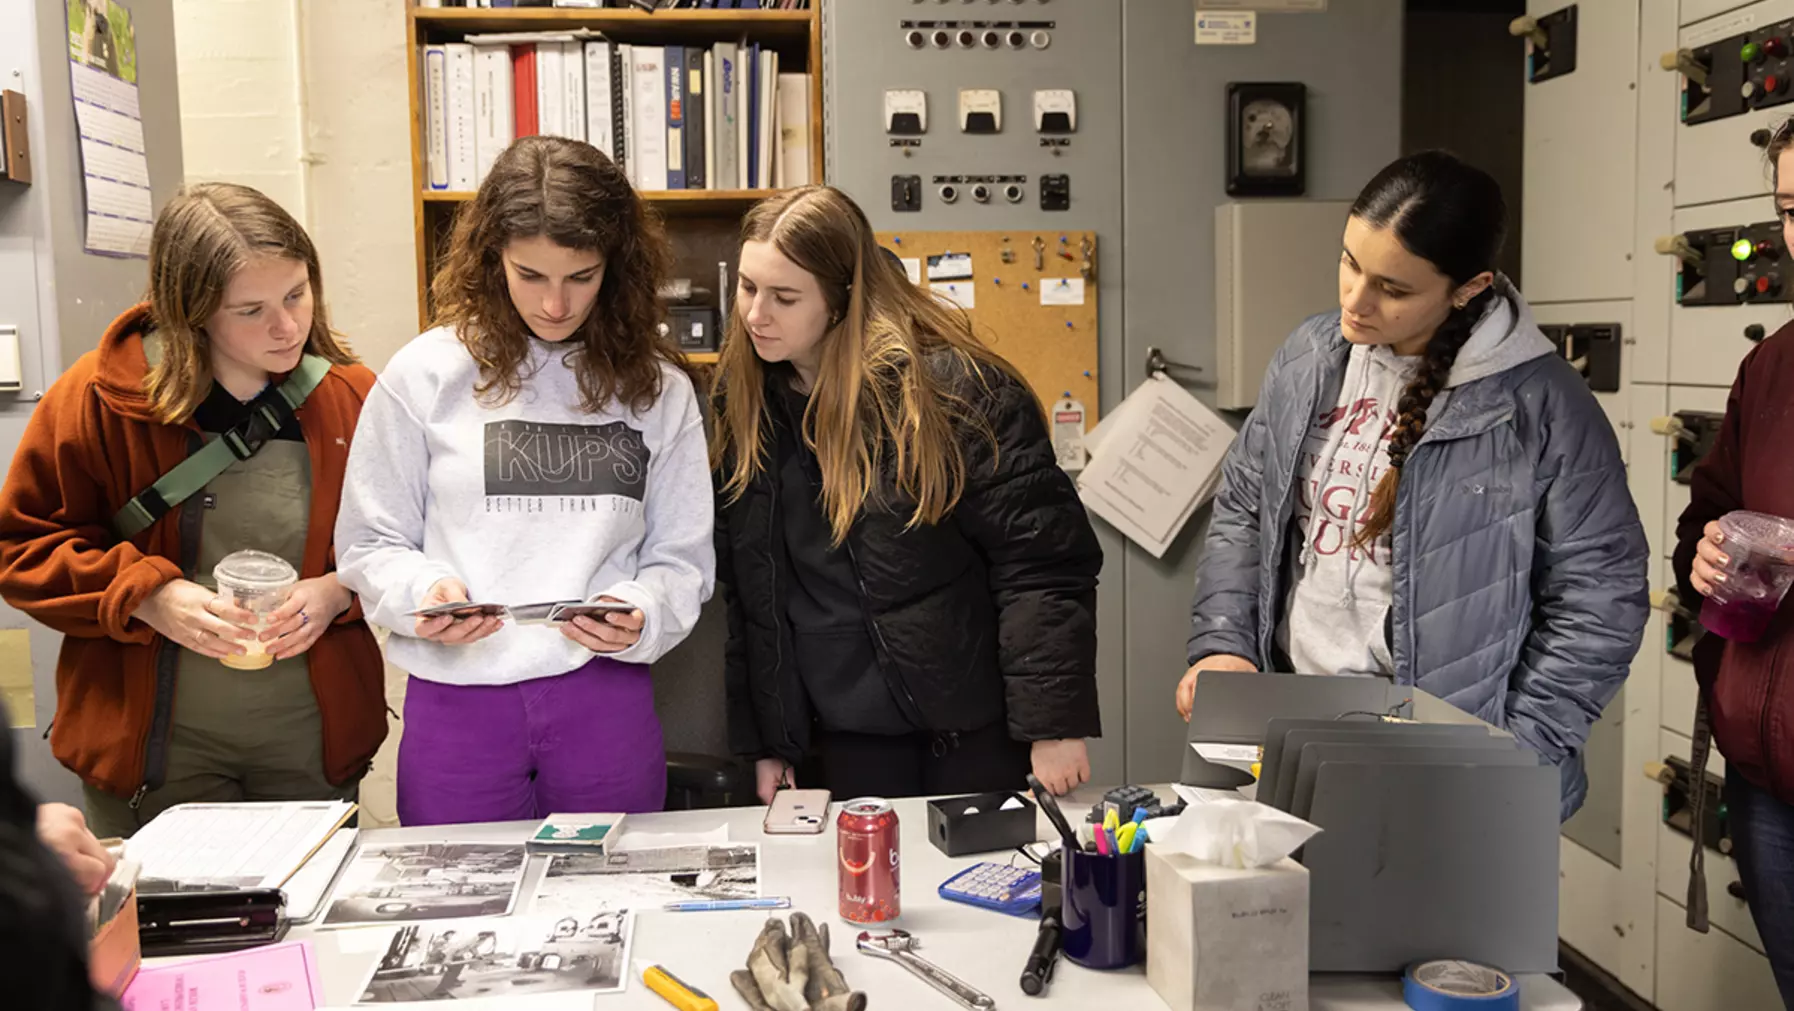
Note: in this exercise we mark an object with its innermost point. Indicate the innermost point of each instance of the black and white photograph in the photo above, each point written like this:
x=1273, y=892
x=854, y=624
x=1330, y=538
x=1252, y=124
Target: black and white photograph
x=647, y=879
x=509, y=957
x=427, y=881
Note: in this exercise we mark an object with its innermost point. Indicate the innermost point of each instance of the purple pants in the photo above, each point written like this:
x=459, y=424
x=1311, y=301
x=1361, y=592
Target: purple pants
x=580, y=742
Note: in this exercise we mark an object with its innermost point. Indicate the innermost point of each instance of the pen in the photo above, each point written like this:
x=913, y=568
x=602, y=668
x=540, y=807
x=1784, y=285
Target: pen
x=677, y=992
x=712, y=905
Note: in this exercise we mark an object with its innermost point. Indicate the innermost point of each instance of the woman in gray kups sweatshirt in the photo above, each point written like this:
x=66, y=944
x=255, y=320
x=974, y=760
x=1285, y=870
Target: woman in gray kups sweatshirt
x=542, y=443
x=1426, y=492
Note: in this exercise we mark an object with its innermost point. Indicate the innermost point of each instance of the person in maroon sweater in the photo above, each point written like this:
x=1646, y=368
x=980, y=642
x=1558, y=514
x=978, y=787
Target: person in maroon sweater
x=1747, y=689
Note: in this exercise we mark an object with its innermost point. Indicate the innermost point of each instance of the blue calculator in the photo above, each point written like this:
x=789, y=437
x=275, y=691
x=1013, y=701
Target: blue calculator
x=1006, y=889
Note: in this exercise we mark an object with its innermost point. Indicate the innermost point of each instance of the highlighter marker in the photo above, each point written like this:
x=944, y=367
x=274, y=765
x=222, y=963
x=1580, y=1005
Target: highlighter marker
x=676, y=992
x=1102, y=841
x=1125, y=838
x=1139, y=815
x=1111, y=819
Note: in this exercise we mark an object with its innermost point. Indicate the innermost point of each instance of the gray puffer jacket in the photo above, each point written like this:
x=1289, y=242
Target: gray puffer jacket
x=1520, y=592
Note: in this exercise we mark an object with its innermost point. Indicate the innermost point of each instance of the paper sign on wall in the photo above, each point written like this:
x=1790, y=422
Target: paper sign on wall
x=949, y=266
x=1262, y=6
x=1068, y=434
x=912, y=265
x=1236, y=29
x=1061, y=291
x=960, y=293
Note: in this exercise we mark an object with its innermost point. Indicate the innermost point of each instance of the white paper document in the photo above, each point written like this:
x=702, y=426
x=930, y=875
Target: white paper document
x=1205, y=795
x=1230, y=753
x=305, y=890
x=1153, y=461
x=241, y=845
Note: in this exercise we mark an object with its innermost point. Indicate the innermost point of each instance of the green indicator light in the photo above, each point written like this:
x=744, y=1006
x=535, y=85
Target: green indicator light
x=1742, y=249
x=1750, y=52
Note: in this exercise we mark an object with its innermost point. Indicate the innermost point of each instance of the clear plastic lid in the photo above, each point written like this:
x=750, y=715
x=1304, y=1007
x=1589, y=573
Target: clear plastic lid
x=254, y=570
x=1760, y=533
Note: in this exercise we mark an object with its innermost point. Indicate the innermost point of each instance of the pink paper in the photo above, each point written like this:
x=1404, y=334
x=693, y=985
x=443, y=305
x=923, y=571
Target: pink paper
x=278, y=977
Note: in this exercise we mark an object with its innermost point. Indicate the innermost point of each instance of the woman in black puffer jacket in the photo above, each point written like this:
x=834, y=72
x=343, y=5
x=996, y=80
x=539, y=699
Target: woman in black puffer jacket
x=911, y=578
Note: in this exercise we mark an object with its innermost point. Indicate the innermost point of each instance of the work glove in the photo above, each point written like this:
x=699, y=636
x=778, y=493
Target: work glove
x=790, y=970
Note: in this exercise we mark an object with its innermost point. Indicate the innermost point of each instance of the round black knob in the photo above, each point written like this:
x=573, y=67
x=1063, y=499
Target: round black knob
x=1760, y=137
x=1755, y=333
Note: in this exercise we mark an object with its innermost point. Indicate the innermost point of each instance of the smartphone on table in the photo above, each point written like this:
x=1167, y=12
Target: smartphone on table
x=797, y=812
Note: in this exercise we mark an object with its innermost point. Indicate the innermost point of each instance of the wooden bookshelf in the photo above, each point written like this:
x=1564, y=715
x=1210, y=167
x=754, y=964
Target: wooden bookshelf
x=702, y=224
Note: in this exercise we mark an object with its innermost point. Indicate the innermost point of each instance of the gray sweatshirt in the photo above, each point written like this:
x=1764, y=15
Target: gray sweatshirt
x=1338, y=596
x=530, y=501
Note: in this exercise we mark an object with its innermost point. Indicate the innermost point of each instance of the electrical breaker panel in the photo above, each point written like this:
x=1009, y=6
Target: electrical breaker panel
x=1027, y=109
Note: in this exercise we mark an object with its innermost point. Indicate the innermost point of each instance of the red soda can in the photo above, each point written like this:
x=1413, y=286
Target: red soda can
x=867, y=830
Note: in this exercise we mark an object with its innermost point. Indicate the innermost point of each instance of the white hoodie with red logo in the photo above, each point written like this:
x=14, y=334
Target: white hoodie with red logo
x=1337, y=596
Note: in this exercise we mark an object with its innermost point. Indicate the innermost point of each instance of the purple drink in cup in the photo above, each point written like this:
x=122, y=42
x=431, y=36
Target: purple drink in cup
x=1761, y=552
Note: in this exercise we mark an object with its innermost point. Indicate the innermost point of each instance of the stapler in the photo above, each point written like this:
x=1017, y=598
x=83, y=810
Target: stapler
x=207, y=922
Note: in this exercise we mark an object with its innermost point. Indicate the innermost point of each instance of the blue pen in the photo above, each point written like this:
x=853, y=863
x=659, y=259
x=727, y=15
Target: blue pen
x=713, y=905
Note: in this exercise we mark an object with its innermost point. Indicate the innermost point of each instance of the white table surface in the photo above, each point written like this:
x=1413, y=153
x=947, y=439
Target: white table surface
x=984, y=948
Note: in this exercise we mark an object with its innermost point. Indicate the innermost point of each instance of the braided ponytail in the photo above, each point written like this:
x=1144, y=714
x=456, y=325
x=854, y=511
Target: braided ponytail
x=1450, y=214
x=1411, y=410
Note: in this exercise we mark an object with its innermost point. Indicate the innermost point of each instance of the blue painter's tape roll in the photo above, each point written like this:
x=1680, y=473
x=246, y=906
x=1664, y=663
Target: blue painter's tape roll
x=1454, y=985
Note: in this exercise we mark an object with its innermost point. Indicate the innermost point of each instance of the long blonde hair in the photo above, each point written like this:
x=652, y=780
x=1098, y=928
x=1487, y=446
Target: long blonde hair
x=893, y=360
x=203, y=236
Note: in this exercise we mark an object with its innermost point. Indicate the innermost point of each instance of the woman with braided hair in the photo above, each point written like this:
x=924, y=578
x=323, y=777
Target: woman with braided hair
x=1426, y=492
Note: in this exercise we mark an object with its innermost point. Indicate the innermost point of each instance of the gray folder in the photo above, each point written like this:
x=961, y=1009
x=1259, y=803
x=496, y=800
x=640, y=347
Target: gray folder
x=1277, y=778
x=1234, y=707
x=1433, y=861
x=1313, y=756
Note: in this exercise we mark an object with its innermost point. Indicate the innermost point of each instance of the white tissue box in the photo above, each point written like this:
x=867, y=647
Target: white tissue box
x=1219, y=939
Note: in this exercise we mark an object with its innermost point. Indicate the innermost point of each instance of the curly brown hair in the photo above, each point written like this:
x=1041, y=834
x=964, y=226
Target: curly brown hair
x=572, y=194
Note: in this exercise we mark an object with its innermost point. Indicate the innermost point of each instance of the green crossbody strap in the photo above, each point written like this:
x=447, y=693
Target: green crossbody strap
x=269, y=413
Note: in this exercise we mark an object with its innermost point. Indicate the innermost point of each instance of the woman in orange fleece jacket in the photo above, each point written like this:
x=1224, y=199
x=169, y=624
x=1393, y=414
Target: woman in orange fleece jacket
x=146, y=714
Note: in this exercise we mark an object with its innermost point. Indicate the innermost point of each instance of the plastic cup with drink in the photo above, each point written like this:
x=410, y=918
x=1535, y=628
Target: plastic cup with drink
x=259, y=583
x=1760, y=549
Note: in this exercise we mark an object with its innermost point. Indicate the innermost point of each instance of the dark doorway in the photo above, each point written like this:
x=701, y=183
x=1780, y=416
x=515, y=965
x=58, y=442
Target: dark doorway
x=1463, y=89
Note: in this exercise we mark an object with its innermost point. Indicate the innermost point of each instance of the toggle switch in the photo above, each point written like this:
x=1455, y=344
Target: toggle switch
x=1679, y=247
x=1528, y=28
x=1683, y=62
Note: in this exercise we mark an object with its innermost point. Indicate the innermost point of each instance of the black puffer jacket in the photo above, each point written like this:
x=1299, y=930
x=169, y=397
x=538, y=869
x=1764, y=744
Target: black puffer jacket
x=988, y=615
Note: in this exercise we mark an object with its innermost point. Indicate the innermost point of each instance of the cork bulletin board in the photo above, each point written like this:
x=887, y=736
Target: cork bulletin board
x=1031, y=296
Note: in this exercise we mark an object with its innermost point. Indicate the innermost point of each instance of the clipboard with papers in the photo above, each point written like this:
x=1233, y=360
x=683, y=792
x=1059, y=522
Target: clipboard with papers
x=297, y=847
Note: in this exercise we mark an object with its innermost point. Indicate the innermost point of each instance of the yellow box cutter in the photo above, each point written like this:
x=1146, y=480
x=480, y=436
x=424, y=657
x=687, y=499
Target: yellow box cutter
x=676, y=991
